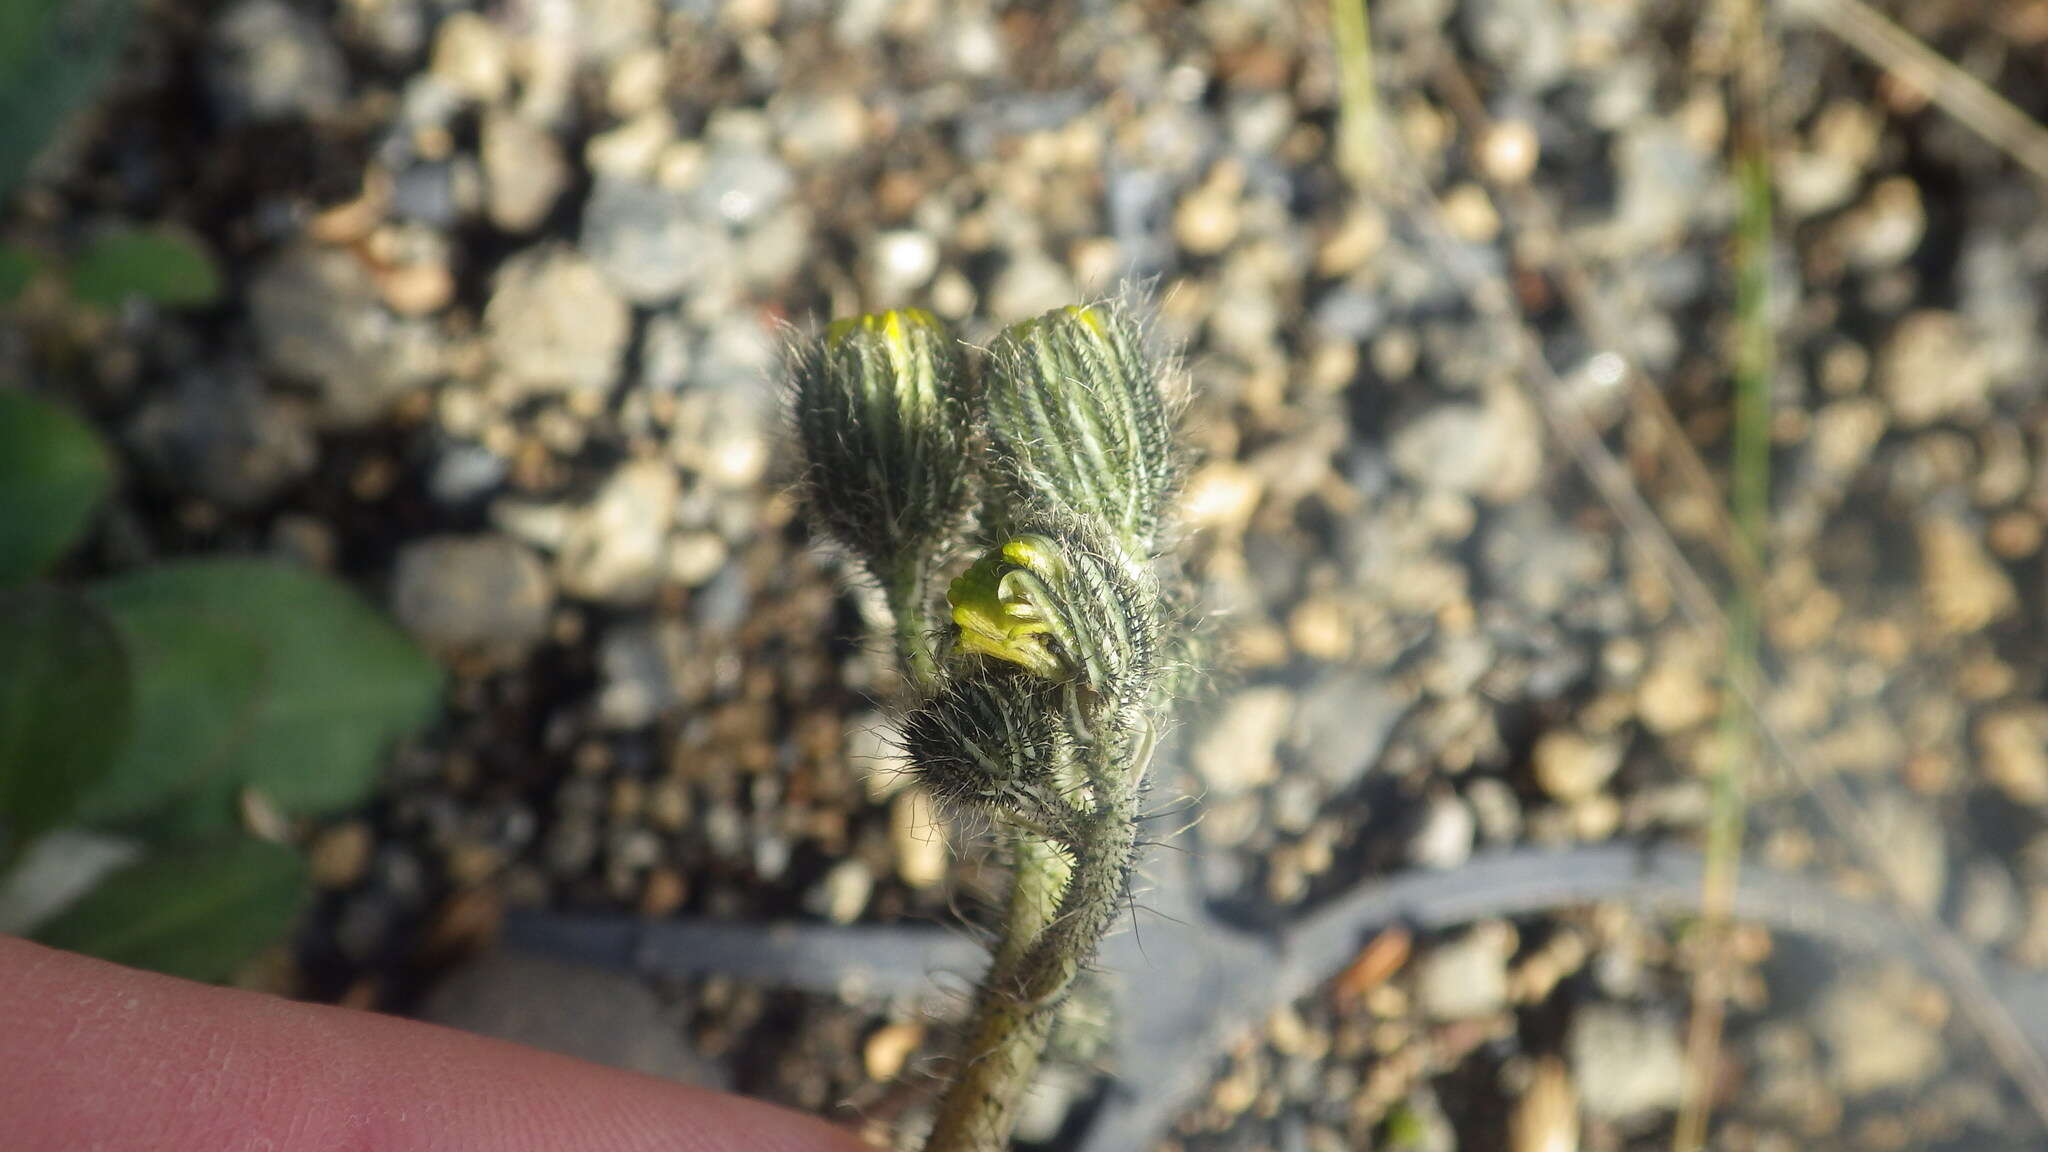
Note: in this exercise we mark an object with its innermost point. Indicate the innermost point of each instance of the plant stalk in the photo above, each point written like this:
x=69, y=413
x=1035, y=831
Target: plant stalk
x=1019, y=1000
x=907, y=601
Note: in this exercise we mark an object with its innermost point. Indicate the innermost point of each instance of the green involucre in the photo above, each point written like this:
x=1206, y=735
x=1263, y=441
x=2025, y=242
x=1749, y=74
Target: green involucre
x=1077, y=422
x=882, y=408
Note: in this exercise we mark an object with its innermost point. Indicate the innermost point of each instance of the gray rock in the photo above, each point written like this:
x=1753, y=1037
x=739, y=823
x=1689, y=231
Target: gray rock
x=319, y=319
x=1466, y=976
x=1493, y=450
x=1932, y=369
x=1528, y=40
x=1916, y=852
x=742, y=186
x=648, y=241
x=588, y=1013
x=1443, y=839
x=1626, y=1062
x=1571, y=766
x=1343, y=725
x=1874, y=1042
x=524, y=171
x=466, y=472
x=616, y=546
x=1240, y=751
x=638, y=681
x=555, y=325
x=269, y=61
x=1988, y=908
x=220, y=434
x=1666, y=183
x=425, y=193
x=479, y=596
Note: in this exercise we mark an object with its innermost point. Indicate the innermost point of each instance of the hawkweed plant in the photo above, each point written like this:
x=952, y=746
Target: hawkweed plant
x=1042, y=686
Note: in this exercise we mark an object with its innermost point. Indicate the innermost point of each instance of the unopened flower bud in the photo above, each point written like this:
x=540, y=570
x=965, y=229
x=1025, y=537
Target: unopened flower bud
x=1077, y=421
x=882, y=408
x=1063, y=603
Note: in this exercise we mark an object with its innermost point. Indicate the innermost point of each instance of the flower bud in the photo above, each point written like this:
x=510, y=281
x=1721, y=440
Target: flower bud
x=991, y=741
x=1077, y=422
x=882, y=409
x=1064, y=603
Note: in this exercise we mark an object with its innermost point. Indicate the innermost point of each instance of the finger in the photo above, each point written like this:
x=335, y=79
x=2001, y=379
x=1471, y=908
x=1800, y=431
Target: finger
x=93, y=1055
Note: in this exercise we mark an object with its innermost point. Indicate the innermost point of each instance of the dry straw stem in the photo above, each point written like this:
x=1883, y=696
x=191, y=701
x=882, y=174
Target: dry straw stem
x=1961, y=95
x=1574, y=431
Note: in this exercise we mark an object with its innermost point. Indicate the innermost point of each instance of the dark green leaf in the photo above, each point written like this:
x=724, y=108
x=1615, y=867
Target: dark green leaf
x=17, y=267
x=199, y=911
x=53, y=474
x=64, y=705
x=159, y=266
x=252, y=674
x=54, y=54
x=199, y=680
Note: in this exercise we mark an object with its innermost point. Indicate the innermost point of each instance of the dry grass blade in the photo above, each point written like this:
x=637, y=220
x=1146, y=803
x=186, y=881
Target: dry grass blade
x=1953, y=90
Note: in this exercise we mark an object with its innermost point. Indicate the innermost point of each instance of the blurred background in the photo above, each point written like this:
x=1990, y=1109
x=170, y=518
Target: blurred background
x=1621, y=432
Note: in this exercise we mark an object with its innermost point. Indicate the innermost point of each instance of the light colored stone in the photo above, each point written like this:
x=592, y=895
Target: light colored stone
x=1571, y=766
x=1627, y=1062
x=1915, y=850
x=2013, y=745
x=589, y=1013
x=554, y=325
x=1240, y=751
x=1508, y=151
x=919, y=837
x=1673, y=696
x=1443, y=840
x=889, y=1047
x=648, y=241
x=1963, y=588
x=524, y=171
x=843, y=895
x=319, y=319
x=486, y=597
x=1468, y=976
x=1874, y=1041
x=616, y=549
x=1493, y=451
x=1930, y=370
x=472, y=57
x=269, y=61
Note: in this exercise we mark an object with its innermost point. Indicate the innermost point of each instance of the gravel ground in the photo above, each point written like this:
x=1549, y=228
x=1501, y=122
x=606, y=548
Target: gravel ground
x=506, y=289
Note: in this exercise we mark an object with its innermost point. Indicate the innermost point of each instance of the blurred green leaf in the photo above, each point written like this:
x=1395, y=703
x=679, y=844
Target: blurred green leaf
x=17, y=267
x=254, y=674
x=54, y=55
x=64, y=707
x=159, y=266
x=199, y=911
x=53, y=474
x=199, y=682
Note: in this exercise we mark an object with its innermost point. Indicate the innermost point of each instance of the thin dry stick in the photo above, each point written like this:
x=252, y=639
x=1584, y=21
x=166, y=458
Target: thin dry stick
x=1491, y=294
x=1954, y=91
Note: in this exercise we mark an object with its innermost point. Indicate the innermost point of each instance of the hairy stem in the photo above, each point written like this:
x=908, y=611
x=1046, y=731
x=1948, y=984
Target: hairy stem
x=907, y=601
x=1020, y=998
